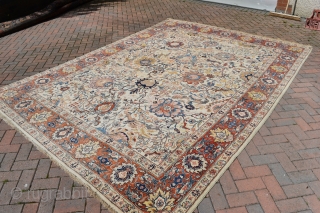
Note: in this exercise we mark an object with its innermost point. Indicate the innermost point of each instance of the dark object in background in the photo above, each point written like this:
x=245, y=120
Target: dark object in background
x=57, y=7
x=13, y=9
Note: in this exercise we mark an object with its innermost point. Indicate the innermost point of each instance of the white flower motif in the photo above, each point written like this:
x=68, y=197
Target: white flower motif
x=40, y=117
x=87, y=150
x=9, y=94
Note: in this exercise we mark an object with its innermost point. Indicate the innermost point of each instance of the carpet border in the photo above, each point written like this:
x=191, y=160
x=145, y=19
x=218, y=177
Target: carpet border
x=105, y=202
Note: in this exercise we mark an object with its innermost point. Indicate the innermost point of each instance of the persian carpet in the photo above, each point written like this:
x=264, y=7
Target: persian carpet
x=150, y=123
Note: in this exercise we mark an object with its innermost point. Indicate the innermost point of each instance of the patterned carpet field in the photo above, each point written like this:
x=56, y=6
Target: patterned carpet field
x=151, y=122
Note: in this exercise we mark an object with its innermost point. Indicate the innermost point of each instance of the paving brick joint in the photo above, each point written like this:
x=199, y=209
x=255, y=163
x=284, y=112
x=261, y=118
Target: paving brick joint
x=279, y=170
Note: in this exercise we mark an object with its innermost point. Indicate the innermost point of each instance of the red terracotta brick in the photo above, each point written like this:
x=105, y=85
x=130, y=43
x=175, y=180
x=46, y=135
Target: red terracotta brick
x=19, y=140
x=313, y=134
x=34, y=155
x=298, y=132
x=313, y=202
x=316, y=118
x=8, y=136
x=93, y=206
x=303, y=125
x=251, y=149
x=312, y=143
x=280, y=130
x=311, y=102
x=305, y=115
x=257, y=171
x=9, y=148
x=295, y=141
x=274, y=188
x=257, y=139
x=285, y=162
x=266, y=201
x=30, y=208
x=315, y=126
x=250, y=184
x=241, y=199
x=236, y=170
x=244, y=159
x=302, y=89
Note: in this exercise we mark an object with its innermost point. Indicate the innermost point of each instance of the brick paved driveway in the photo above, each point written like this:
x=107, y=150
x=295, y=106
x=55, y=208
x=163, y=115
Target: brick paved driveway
x=279, y=171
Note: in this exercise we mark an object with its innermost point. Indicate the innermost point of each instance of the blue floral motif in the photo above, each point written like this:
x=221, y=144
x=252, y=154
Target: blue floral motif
x=167, y=108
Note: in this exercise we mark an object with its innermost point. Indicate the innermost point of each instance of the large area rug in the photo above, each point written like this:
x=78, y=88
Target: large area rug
x=150, y=123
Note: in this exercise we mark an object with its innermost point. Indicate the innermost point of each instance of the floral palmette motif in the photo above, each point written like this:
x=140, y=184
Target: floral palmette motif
x=69, y=69
x=159, y=201
x=194, y=78
x=87, y=150
x=221, y=135
x=102, y=82
x=257, y=95
x=62, y=132
x=43, y=81
x=9, y=94
x=105, y=107
x=145, y=61
x=40, y=117
x=175, y=44
x=167, y=108
x=194, y=163
x=242, y=114
x=23, y=104
x=279, y=68
x=123, y=174
x=269, y=81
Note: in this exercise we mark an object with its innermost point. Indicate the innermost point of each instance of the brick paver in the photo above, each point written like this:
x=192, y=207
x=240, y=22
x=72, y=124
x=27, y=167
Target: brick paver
x=279, y=171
